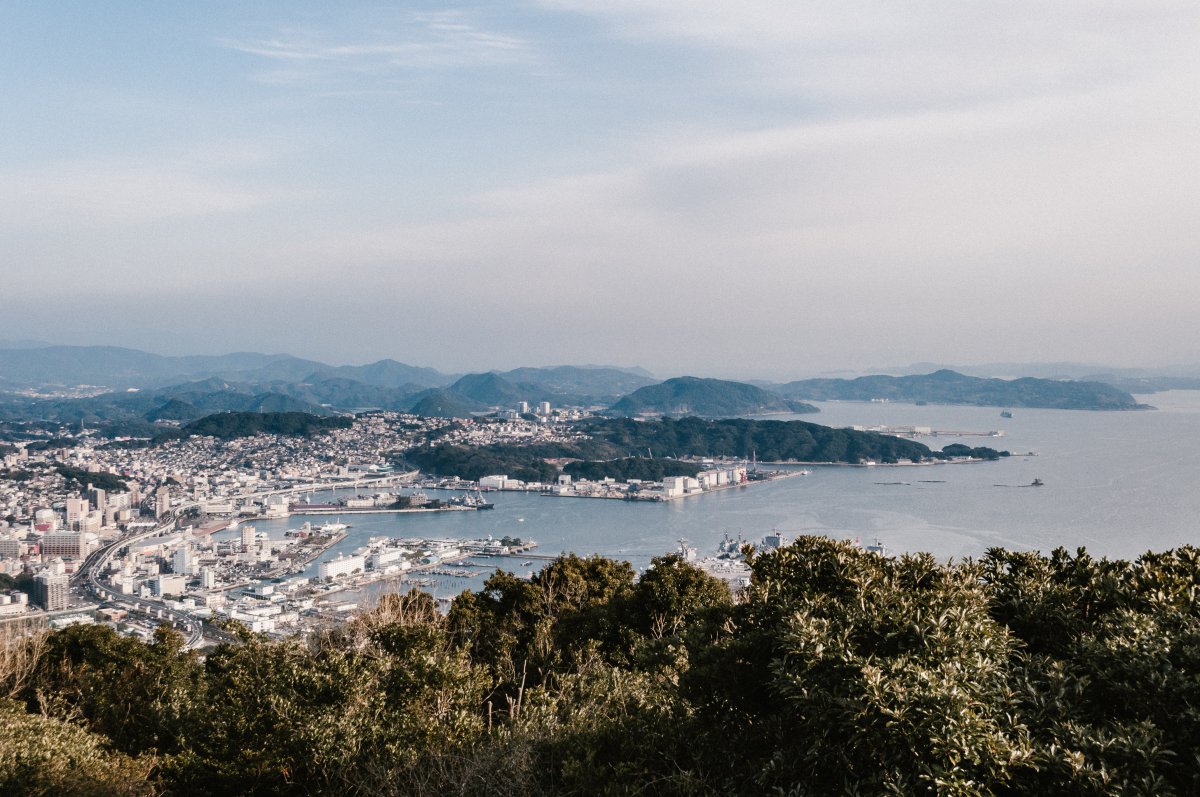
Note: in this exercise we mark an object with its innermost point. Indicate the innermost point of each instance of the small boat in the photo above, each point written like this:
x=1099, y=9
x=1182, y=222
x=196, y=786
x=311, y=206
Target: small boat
x=1005, y=414
x=1037, y=483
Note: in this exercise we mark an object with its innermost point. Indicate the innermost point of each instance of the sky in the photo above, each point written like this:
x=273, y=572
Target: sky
x=753, y=189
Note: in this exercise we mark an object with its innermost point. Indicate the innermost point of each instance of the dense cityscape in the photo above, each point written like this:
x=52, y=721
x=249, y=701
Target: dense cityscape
x=135, y=535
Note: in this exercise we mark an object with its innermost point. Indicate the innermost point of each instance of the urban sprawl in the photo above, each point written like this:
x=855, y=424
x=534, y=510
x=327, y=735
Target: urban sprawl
x=94, y=530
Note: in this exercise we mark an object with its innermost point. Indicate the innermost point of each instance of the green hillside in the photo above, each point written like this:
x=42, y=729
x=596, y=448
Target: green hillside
x=710, y=398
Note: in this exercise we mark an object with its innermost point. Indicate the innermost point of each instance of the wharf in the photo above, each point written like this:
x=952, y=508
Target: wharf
x=302, y=509
x=654, y=496
x=521, y=555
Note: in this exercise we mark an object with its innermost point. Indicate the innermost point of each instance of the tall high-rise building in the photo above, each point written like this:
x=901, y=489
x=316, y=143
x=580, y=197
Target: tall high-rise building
x=247, y=538
x=50, y=590
x=162, y=501
x=97, y=497
x=181, y=561
x=76, y=509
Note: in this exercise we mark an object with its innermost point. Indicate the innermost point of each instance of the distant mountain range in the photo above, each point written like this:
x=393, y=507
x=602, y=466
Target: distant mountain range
x=1135, y=380
x=145, y=389
x=117, y=368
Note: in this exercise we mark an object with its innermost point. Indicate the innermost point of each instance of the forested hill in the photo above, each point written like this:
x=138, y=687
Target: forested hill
x=708, y=398
x=743, y=438
x=615, y=441
x=228, y=425
x=838, y=671
x=951, y=387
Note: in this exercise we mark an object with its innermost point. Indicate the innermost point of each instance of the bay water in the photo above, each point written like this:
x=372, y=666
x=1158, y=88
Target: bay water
x=1116, y=483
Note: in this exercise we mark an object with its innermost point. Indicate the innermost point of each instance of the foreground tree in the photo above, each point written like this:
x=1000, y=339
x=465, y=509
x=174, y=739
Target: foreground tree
x=847, y=672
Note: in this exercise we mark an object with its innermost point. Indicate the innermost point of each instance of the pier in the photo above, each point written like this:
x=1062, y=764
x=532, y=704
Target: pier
x=307, y=509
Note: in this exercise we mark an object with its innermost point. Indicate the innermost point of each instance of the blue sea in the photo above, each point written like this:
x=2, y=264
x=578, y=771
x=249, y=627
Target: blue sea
x=1116, y=483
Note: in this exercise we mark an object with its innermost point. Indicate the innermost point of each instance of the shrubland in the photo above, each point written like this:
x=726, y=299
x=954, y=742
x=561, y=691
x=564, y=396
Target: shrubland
x=837, y=671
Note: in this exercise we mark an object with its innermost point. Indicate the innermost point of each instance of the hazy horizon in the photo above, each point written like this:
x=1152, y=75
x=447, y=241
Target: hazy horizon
x=755, y=191
x=1073, y=370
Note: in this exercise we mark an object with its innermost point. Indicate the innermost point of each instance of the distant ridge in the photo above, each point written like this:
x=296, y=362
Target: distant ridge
x=439, y=403
x=707, y=398
x=601, y=384
x=950, y=387
x=386, y=384
x=489, y=389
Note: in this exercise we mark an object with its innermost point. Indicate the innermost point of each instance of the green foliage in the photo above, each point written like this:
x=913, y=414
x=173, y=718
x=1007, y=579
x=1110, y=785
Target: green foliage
x=230, y=425
x=358, y=711
x=853, y=671
x=522, y=631
x=770, y=441
x=46, y=757
x=1108, y=684
x=837, y=671
x=615, y=447
x=79, y=479
x=709, y=398
x=980, y=452
x=950, y=387
x=140, y=696
x=631, y=468
x=518, y=462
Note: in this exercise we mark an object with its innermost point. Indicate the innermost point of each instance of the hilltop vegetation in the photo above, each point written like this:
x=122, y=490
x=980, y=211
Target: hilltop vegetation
x=78, y=479
x=628, y=468
x=742, y=438
x=950, y=387
x=526, y=463
x=707, y=398
x=616, y=446
x=230, y=425
x=837, y=672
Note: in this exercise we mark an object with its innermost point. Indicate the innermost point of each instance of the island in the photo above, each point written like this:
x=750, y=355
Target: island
x=950, y=387
x=708, y=398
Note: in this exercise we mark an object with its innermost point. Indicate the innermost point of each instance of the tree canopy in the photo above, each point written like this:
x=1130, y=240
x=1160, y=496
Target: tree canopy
x=837, y=671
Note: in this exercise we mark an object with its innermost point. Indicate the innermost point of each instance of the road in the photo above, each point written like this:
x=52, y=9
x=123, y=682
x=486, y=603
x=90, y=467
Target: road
x=96, y=563
x=88, y=574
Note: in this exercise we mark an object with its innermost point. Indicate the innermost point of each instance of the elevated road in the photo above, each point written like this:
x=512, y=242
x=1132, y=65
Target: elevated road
x=96, y=564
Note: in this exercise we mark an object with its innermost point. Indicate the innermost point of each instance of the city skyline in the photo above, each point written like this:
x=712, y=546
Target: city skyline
x=768, y=190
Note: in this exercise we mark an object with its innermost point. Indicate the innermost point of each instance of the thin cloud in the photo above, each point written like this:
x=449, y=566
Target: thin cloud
x=445, y=40
x=121, y=192
x=850, y=55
